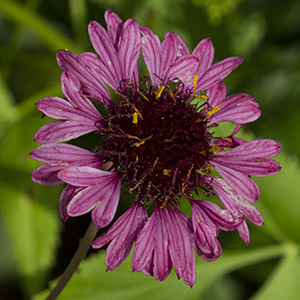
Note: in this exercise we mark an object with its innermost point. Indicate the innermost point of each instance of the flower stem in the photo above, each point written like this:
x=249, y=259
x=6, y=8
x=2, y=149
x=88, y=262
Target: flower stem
x=78, y=256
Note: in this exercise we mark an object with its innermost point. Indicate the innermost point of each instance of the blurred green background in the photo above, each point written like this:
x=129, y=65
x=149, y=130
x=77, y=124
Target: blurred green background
x=36, y=245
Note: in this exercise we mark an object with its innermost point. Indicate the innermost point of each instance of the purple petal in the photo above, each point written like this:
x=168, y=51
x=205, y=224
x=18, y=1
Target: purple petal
x=55, y=153
x=63, y=131
x=103, y=46
x=122, y=243
x=103, y=199
x=257, y=149
x=181, y=47
x=217, y=73
x=151, y=49
x=205, y=52
x=252, y=168
x=239, y=109
x=90, y=84
x=129, y=48
x=243, y=185
x=181, y=249
x=243, y=231
x=216, y=94
x=86, y=176
x=47, y=174
x=161, y=260
x=114, y=27
x=58, y=108
x=65, y=197
x=144, y=245
x=168, y=55
x=183, y=68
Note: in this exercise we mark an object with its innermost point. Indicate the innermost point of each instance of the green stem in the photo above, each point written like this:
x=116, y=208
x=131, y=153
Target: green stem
x=78, y=256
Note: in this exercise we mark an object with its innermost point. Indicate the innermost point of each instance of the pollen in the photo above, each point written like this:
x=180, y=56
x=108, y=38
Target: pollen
x=213, y=111
x=134, y=118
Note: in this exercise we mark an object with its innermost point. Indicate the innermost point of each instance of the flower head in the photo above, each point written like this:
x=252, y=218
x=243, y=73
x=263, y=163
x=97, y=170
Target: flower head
x=156, y=140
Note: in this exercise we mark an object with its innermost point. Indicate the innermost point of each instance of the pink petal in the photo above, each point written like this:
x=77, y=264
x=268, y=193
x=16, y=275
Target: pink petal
x=129, y=48
x=86, y=176
x=184, y=68
x=239, y=109
x=55, y=153
x=205, y=52
x=58, y=108
x=91, y=85
x=63, y=131
x=217, y=73
x=181, y=249
x=103, y=46
x=151, y=49
x=47, y=174
x=65, y=197
x=161, y=260
x=216, y=94
x=243, y=185
x=257, y=149
x=114, y=27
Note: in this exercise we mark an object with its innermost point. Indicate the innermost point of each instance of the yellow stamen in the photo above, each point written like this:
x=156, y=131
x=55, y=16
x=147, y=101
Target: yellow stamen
x=166, y=172
x=213, y=111
x=159, y=91
x=134, y=118
x=195, y=82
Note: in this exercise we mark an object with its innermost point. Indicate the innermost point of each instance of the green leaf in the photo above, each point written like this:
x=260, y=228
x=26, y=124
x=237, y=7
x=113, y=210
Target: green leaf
x=22, y=15
x=93, y=282
x=29, y=211
x=279, y=202
x=283, y=283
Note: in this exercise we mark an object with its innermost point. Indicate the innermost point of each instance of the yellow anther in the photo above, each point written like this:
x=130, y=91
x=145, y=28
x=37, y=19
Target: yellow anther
x=134, y=118
x=202, y=96
x=195, y=82
x=166, y=172
x=154, y=164
x=144, y=96
x=159, y=91
x=213, y=111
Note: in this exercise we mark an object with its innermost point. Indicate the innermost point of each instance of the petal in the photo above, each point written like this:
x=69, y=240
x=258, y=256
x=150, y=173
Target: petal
x=129, y=48
x=217, y=73
x=161, y=260
x=58, y=108
x=106, y=208
x=144, y=245
x=103, y=46
x=184, y=68
x=252, y=168
x=114, y=27
x=181, y=249
x=54, y=153
x=239, y=109
x=181, y=47
x=216, y=94
x=243, y=231
x=240, y=182
x=86, y=176
x=63, y=131
x=65, y=197
x=91, y=85
x=151, y=49
x=47, y=174
x=205, y=52
x=257, y=149
x=168, y=54
x=121, y=245
x=102, y=198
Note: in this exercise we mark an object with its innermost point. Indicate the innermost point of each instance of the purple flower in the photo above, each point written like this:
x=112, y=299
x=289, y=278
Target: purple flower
x=157, y=141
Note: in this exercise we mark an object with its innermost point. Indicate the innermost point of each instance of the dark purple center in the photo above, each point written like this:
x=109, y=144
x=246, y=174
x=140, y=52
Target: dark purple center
x=158, y=142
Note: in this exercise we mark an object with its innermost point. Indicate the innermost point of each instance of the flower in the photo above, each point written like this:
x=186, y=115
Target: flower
x=157, y=141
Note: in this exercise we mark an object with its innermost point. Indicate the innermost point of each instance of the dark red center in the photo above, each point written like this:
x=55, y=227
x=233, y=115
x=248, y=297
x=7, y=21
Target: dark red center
x=158, y=142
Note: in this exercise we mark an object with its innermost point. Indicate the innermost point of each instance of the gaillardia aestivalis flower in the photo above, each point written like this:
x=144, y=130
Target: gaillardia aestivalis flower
x=157, y=141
